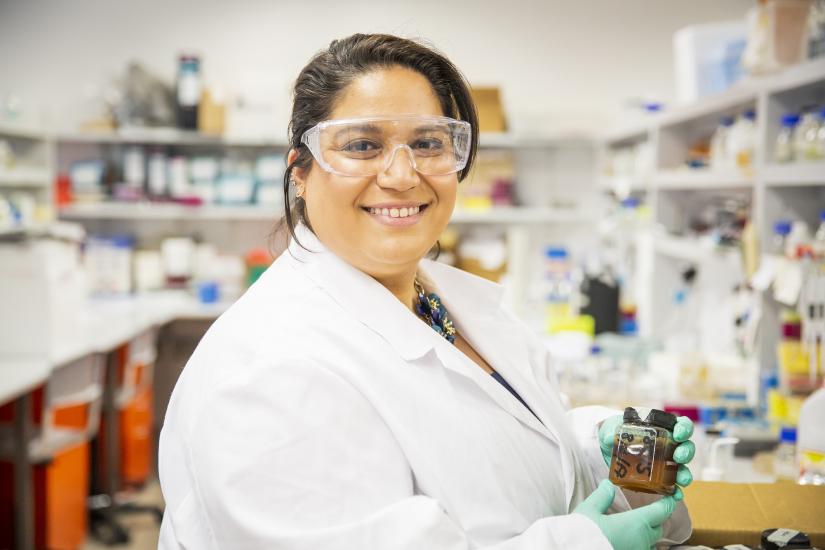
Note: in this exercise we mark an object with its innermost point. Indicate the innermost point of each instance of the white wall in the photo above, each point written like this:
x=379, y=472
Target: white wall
x=560, y=62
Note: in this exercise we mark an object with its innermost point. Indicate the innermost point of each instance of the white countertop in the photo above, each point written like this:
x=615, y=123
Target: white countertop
x=104, y=325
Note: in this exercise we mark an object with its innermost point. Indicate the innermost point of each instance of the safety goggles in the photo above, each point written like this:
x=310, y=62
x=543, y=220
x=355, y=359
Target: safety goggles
x=435, y=145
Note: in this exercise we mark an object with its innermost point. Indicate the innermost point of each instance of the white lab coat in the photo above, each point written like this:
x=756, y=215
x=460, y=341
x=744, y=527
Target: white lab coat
x=319, y=413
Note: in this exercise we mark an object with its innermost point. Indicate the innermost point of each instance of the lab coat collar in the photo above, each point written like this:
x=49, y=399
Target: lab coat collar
x=364, y=297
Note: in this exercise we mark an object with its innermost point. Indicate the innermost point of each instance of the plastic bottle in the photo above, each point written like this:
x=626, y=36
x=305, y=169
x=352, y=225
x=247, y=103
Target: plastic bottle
x=819, y=237
x=560, y=287
x=188, y=91
x=719, y=157
x=784, y=460
x=805, y=136
x=784, y=149
x=743, y=140
x=811, y=440
x=781, y=230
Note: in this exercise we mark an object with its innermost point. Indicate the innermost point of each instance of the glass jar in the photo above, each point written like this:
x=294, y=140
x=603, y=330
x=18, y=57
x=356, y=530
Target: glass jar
x=643, y=453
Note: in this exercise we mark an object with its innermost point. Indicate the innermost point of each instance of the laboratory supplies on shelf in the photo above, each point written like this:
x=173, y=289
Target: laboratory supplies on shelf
x=784, y=461
x=42, y=289
x=777, y=35
x=188, y=91
x=811, y=440
x=719, y=157
x=108, y=263
x=801, y=137
x=741, y=142
x=818, y=245
x=628, y=161
x=784, y=147
x=805, y=134
x=178, y=256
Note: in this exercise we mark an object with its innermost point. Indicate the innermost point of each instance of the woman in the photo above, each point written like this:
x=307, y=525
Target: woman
x=339, y=404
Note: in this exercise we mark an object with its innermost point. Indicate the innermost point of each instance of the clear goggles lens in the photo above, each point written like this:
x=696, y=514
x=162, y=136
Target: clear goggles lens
x=435, y=146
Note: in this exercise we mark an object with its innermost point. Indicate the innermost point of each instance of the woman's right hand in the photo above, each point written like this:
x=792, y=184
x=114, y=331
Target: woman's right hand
x=636, y=529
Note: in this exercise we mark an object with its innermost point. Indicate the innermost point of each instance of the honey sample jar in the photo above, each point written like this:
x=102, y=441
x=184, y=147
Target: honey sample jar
x=643, y=453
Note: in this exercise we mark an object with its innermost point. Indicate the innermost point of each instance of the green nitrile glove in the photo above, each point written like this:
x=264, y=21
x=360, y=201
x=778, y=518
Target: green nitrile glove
x=637, y=529
x=683, y=454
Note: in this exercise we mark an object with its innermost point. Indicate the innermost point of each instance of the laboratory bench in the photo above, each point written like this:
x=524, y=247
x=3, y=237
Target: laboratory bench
x=86, y=352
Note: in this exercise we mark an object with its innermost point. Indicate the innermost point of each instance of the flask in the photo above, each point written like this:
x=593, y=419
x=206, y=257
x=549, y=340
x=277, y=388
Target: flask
x=643, y=453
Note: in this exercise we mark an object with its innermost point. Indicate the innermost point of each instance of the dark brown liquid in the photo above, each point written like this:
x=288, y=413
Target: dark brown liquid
x=643, y=460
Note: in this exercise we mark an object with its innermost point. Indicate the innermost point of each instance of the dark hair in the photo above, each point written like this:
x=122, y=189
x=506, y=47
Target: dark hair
x=319, y=84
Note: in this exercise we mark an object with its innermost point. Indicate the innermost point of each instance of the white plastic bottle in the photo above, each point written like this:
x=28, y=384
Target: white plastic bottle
x=811, y=440
x=719, y=157
x=743, y=140
x=784, y=149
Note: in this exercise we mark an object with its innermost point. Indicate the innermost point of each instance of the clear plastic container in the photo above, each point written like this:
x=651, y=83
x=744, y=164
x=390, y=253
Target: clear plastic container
x=719, y=156
x=784, y=148
x=805, y=145
x=642, y=458
x=784, y=459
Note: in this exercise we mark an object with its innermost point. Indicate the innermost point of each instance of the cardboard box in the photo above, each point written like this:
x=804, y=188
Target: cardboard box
x=490, y=110
x=730, y=513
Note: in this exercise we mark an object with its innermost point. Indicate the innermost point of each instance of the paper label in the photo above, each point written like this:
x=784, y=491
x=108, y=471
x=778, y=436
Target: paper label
x=782, y=537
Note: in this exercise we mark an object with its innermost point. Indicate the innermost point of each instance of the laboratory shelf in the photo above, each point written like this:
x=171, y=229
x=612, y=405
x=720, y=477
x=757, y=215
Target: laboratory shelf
x=626, y=135
x=521, y=215
x=687, y=179
x=24, y=177
x=689, y=249
x=624, y=183
x=19, y=131
x=164, y=211
x=798, y=76
x=740, y=95
x=508, y=140
x=795, y=174
x=168, y=136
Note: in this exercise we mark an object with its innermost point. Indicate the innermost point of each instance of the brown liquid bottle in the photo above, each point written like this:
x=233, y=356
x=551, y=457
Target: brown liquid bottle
x=643, y=453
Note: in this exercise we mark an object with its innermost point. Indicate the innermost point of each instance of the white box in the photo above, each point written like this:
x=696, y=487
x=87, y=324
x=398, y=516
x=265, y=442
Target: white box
x=42, y=294
x=705, y=56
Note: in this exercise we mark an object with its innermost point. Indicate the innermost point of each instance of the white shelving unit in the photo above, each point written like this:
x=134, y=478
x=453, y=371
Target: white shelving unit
x=675, y=193
x=28, y=175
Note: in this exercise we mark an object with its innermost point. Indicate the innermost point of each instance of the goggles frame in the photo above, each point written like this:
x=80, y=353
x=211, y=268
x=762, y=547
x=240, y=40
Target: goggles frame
x=312, y=139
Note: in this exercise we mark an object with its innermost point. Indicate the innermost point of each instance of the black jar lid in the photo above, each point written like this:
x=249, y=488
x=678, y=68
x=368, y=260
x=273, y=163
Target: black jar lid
x=631, y=416
x=661, y=419
x=795, y=539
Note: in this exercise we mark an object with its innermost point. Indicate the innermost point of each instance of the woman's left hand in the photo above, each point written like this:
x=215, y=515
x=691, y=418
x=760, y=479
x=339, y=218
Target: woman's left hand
x=682, y=455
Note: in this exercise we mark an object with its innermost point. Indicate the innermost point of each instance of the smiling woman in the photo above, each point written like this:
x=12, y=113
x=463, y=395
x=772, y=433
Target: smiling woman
x=361, y=396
